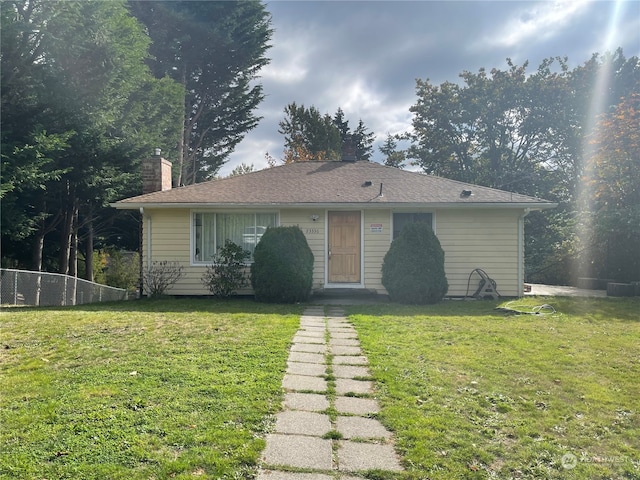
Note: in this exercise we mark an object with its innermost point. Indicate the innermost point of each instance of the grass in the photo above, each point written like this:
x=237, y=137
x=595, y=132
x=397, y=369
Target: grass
x=472, y=393
x=186, y=388
x=140, y=390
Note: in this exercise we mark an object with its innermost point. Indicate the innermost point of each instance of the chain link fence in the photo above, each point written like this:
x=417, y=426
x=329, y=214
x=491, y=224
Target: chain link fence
x=21, y=287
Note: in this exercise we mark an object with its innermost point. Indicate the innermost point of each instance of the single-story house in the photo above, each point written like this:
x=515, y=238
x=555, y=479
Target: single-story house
x=349, y=211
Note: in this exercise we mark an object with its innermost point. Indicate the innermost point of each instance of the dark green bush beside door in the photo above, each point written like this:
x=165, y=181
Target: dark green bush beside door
x=282, y=271
x=413, y=268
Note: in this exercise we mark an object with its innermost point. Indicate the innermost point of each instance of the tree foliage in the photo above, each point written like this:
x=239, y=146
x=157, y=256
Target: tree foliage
x=311, y=136
x=214, y=50
x=79, y=110
x=495, y=129
x=392, y=156
x=612, y=180
x=526, y=132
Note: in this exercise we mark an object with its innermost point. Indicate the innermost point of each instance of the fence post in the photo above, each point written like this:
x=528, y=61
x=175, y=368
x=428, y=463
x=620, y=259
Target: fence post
x=15, y=288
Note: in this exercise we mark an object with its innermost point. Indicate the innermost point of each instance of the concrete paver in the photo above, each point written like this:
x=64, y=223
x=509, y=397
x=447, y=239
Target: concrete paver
x=350, y=371
x=319, y=340
x=304, y=383
x=351, y=342
x=345, y=350
x=307, y=333
x=347, y=385
x=303, y=423
x=356, y=406
x=275, y=475
x=344, y=335
x=342, y=330
x=360, y=427
x=306, y=357
x=350, y=360
x=310, y=369
x=358, y=456
x=298, y=451
x=309, y=347
x=310, y=402
x=297, y=441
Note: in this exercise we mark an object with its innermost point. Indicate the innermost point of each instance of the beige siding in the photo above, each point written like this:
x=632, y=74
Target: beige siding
x=314, y=231
x=485, y=239
x=376, y=245
x=170, y=237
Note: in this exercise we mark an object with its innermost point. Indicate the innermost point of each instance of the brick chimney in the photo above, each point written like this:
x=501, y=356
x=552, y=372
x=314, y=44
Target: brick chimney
x=348, y=150
x=156, y=173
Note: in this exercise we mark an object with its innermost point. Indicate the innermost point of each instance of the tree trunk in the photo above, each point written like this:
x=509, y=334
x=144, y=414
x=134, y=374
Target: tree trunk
x=36, y=252
x=88, y=254
x=66, y=231
x=184, y=138
x=73, y=251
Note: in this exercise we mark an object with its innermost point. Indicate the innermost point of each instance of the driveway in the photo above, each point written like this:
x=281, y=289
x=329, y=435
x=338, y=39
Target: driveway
x=563, y=291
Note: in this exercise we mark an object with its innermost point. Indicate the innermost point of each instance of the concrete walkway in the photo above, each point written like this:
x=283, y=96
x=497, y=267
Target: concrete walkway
x=327, y=428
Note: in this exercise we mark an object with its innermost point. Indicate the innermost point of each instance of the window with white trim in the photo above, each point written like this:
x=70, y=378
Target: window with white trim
x=212, y=230
x=400, y=219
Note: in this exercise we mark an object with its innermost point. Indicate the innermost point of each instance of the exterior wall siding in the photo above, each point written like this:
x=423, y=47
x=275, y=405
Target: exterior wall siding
x=314, y=231
x=486, y=239
x=170, y=237
x=377, y=239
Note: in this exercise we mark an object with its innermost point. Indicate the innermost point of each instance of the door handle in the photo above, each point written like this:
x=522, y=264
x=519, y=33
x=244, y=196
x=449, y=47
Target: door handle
x=329, y=253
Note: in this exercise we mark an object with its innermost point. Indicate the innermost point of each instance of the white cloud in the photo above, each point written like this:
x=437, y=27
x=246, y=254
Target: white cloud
x=541, y=21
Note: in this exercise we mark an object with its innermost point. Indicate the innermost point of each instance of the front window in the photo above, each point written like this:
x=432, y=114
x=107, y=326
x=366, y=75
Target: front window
x=402, y=219
x=212, y=230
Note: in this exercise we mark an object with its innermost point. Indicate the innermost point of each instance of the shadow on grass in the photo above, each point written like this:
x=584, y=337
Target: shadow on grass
x=234, y=305
x=624, y=309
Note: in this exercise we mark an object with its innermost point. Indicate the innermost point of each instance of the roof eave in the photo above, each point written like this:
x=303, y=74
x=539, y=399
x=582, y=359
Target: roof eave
x=367, y=205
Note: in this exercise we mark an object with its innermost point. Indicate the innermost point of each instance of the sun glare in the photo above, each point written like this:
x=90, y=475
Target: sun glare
x=597, y=107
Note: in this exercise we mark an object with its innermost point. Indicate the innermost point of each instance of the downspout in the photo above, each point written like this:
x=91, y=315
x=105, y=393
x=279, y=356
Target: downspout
x=142, y=251
x=521, y=251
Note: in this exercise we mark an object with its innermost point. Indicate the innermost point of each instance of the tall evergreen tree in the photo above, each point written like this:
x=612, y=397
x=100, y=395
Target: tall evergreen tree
x=393, y=156
x=214, y=50
x=309, y=135
x=363, y=141
x=342, y=125
x=79, y=109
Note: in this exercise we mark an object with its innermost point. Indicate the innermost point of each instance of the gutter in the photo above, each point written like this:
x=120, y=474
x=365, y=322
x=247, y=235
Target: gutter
x=360, y=205
x=521, y=251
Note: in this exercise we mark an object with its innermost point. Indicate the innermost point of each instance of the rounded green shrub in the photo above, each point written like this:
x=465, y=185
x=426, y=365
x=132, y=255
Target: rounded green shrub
x=282, y=269
x=413, y=268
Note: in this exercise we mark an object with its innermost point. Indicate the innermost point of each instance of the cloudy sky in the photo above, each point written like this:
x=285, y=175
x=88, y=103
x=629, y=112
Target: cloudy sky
x=364, y=56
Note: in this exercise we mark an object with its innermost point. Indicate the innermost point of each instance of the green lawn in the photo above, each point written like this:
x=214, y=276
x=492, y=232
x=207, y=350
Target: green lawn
x=186, y=388
x=140, y=390
x=473, y=393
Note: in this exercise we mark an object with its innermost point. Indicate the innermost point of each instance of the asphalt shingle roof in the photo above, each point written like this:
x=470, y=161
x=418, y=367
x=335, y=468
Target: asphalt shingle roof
x=331, y=183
